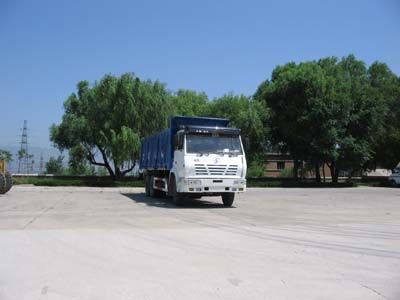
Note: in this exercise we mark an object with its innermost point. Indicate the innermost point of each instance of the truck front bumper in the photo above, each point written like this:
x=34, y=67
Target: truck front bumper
x=211, y=185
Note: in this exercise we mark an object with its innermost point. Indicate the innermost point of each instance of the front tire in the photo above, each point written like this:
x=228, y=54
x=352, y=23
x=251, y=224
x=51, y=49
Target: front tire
x=227, y=199
x=176, y=197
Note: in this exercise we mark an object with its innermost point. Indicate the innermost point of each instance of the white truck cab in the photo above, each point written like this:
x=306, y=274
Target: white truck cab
x=209, y=160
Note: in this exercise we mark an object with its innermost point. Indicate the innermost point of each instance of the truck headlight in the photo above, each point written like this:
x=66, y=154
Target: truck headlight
x=192, y=182
x=239, y=182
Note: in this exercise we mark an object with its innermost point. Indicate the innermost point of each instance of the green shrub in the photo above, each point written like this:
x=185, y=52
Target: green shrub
x=93, y=182
x=256, y=169
x=287, y=172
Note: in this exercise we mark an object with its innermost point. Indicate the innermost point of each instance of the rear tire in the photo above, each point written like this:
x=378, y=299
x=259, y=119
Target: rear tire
x=153, y=192
x=178, y=198
x=3, y=183
x=227, y=199
x=9, y=181
x=147, y=185
x=151, y=188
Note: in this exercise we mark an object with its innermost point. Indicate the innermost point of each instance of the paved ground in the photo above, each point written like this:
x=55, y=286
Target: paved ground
x=92, y=243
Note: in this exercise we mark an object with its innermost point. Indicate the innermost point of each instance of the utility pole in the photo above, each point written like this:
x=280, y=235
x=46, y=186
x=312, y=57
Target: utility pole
x=23, y=156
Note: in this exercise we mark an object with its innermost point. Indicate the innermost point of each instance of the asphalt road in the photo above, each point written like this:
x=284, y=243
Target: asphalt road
x=107, y=243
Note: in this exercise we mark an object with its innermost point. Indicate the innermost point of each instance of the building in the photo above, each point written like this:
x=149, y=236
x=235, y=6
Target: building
x=276, y=162
x=280, y=164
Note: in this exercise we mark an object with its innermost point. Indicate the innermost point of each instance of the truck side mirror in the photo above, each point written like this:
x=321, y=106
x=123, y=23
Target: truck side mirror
x=176, y=142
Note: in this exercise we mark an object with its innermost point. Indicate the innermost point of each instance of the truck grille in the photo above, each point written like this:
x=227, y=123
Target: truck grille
x=215, y=170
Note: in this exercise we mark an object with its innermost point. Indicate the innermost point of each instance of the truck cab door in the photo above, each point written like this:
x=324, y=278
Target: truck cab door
x=178, y=166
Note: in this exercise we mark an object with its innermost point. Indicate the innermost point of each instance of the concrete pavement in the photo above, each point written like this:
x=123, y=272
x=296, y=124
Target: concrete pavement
x=115, y=243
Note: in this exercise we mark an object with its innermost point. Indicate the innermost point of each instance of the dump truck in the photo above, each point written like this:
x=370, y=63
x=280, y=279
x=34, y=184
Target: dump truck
x=5, y=178
x=194, y=157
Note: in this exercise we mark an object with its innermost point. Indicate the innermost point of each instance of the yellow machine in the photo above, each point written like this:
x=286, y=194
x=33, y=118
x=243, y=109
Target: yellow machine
x=5, y=178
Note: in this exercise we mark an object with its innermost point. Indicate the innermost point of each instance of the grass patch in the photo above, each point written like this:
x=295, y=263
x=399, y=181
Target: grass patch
x=134, y=182
x=91, y=182
x=253, y=182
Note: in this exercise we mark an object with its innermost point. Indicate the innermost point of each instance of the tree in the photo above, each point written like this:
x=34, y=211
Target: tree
x=246, y=114
x=78, y=164
x=384, y=88
x=298, y=111
x=321, y=112
x=357, y=117
x=55, y=165
x=189, y=103
x=5, y=155
x=105, y=122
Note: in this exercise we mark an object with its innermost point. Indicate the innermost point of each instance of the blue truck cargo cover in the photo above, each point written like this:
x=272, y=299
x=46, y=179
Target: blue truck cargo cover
x=157, y=151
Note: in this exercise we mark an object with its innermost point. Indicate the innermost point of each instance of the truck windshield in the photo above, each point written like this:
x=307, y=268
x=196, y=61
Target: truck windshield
x=196, y=143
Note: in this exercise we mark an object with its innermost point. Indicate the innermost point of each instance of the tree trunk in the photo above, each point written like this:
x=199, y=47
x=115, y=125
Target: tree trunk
x=332, y=169
x=317, y=173
x=106, y=163
x=295, y=169
x=323, y=171
x=118, y=173
x=335, y=179
x=334, y=172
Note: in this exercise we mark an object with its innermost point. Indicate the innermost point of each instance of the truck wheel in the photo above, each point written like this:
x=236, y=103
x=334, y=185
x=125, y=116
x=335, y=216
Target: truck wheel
x=151, y=188
x=147, y=185
x=227, y=199
x=153, y=193
x=9, y=181
x=176, y=197
x=3, y=183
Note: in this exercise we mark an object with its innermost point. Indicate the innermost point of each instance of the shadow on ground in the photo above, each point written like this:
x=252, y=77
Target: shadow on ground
x=167, y=202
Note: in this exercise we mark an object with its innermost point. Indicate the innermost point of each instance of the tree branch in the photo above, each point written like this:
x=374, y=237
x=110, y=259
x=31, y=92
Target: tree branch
x=129, y=169
x=90, y=158
x=106, y=163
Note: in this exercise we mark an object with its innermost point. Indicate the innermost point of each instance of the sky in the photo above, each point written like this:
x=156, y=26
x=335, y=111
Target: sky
x=47, y=47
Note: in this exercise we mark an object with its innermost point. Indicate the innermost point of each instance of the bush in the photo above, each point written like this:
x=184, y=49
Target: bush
x=84, y=181
x=287, y=172
x=256, y=169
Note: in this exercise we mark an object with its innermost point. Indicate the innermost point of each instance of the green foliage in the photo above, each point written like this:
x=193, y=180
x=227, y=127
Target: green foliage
x=286, y=173
x=189, y=103
x=299, y=111
x=104, y=123
x=55, y=165
x=84, y=181
x=333, y=111
x=5, y=155
x=77, y=161
x=101, y=171
x=326, y=111
x=287, y=183
x=256, y=169
x=384, y=88
x=108, y=182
